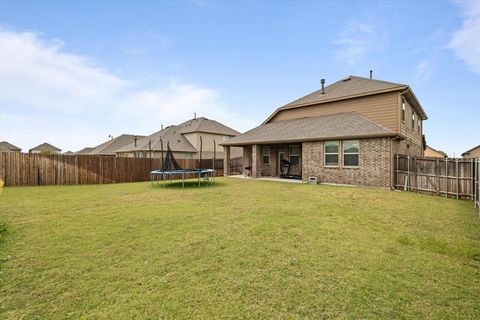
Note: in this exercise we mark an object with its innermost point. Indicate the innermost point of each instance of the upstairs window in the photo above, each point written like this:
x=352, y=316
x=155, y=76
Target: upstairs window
x=351, y=149
x=331, y=153
x=419, y=125
x=403, y=110
x=294, y=155
x=266, y=155
x=413, y=119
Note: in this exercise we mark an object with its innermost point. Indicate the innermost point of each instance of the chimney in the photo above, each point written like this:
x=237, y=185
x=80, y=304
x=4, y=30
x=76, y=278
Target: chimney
x=322, y=81
x=371, y=74
x=135, y=139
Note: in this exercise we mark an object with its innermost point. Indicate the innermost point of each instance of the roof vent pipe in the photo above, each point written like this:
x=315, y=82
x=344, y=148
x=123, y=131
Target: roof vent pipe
x=194, y=115
x=135, y=139
x=322, y=81
x=162, y=126
x=371, y=74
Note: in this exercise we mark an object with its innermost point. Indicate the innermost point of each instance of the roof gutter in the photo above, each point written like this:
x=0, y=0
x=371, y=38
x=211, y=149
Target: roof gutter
x=378, y=135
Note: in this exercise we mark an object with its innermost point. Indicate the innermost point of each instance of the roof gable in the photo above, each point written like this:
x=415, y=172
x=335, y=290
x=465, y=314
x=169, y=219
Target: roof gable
x=4, y=145
x=203, y=124
x=45, y=147
x=348, y=88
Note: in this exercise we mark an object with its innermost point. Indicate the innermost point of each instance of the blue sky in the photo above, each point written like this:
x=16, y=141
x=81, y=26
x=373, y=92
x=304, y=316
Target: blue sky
x=71, y=73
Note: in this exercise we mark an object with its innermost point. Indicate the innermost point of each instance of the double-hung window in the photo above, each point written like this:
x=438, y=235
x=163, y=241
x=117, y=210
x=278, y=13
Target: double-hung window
x=266, y=155
x=294, y=153
x=351, y=150
x=331, y=153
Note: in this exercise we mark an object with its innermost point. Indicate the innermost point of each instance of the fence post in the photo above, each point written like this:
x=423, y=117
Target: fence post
x=396, y=182
x=473, y=178
x=446, y=177
x=415, y=176
x=456, y=176
x=437, y=171
x=407, y=184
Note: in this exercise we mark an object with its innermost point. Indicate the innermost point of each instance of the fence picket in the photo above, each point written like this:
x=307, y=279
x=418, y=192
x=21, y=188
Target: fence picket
x=18, y=169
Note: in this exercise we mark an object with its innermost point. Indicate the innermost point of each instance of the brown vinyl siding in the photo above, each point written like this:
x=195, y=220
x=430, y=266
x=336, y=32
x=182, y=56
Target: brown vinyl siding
x=380, y=108
x=413, y=135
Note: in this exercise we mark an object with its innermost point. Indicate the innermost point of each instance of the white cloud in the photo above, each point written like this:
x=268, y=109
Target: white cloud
x=38, y=74
x=423, y=70
x=356, y=40
x=466, y=41
x=48, y=94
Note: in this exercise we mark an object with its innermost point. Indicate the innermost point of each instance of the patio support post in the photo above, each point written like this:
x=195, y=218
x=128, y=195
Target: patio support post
x=226, y=161
x=256, y=161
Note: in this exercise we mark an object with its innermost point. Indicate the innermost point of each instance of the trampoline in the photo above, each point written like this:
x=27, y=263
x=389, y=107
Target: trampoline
x=170, y=167
x=206, y=174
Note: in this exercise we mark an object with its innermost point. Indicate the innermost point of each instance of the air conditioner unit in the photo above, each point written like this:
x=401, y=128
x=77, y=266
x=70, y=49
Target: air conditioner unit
x=313, y=180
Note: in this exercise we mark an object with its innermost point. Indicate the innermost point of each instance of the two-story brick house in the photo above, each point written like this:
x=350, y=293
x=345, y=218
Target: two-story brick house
x=347, y=132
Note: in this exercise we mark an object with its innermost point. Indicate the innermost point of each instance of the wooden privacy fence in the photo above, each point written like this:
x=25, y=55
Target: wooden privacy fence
x=455, y=178
x=24, y=169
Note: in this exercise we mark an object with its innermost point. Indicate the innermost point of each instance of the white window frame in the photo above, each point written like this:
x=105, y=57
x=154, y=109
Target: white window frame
x=403, y=109
x=331, y=153
x=413, y=120
x=348, y=153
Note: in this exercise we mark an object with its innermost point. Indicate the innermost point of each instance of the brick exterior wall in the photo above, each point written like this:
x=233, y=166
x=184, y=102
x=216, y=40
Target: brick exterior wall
x=256, y=161
x=374, y=164
x=407, y=147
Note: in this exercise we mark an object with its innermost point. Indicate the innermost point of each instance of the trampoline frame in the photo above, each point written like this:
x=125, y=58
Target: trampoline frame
x=210, y=173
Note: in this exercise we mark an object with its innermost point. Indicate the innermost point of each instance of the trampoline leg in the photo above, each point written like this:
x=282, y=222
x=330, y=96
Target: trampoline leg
x=183, y=180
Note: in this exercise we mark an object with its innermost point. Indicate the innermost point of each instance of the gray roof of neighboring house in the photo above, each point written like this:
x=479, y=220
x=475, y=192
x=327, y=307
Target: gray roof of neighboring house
x=45, y=147
x=4, y=145
x=171, y=135
x=111, y=146
x=470, y=150
x=68, y=153
x=86, y=150
x=350, y=87
x=336, y=126
x=203, y=124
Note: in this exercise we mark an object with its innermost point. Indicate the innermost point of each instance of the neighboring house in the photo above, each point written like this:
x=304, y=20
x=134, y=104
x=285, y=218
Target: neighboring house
x=431, y=152
x=8, y=147
x=110, y=147
x=184, y=141
x=86, y=150
x=69, y=153
x=472, y=153
x=45, y=148
x=345, y=133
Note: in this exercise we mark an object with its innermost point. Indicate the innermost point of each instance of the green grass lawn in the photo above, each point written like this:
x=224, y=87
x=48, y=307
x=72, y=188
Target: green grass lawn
x=240, y=249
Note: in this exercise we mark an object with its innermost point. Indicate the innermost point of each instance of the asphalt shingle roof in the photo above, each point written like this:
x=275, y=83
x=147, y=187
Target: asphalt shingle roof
x=86, y=150
x=45, y=147
x=7, y=146
x=111, y=146
x=171, y=135
x=206, y=125
x=335, y=126
x=349, y=86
